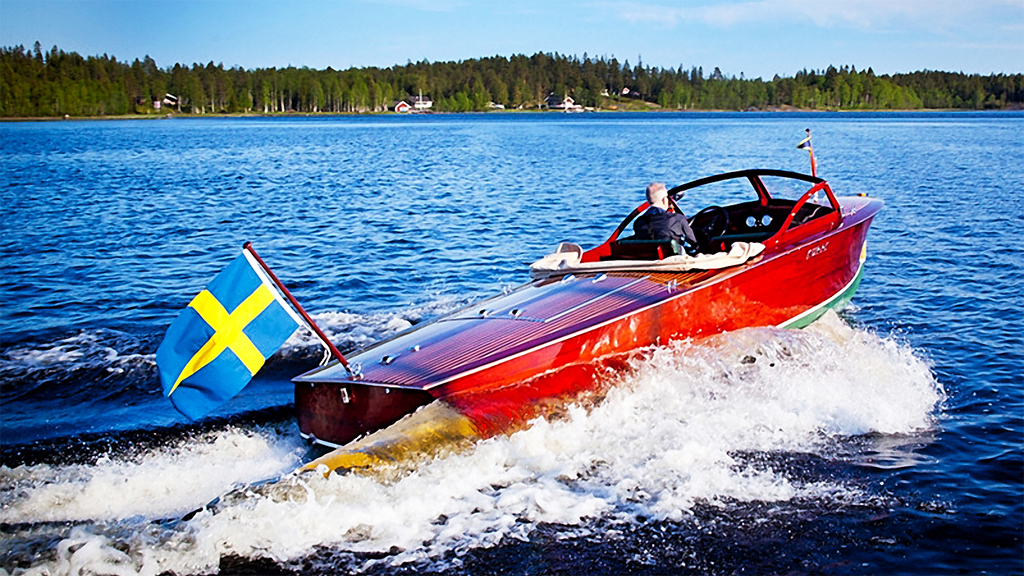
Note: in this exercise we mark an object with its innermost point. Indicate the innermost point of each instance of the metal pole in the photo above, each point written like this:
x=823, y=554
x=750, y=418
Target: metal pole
x=312, y=325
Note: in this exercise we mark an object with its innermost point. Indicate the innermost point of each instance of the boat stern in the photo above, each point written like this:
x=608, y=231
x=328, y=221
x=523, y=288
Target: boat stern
x=334, y=413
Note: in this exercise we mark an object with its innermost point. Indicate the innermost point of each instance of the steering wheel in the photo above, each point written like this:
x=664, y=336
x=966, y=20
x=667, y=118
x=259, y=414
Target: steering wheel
x=714, y=221
x=672, y=204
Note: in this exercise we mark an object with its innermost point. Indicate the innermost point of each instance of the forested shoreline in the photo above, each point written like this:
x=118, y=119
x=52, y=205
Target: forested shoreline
x=36, y=83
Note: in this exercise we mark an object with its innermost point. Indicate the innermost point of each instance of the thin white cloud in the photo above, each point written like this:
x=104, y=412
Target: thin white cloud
x=935, y=15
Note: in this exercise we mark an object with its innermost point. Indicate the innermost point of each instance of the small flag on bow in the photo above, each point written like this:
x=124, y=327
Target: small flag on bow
x=805, y=144
x=215, y=346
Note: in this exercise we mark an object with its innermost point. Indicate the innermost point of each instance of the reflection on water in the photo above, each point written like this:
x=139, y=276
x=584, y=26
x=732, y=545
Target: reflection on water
x=890, y=447
x=892, y=451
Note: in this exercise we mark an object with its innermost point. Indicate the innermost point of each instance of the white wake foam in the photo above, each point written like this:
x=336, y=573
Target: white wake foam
x=87, y=349
x=670, y=435
x=364, y=329
x=165, y=482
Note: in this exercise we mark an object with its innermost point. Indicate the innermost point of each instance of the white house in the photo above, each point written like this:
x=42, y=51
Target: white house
x=565, y=103
x=421, y=102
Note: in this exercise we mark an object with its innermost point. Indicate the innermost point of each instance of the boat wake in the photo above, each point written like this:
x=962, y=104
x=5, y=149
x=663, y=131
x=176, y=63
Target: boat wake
x=53, y=388
x=28, y=368
x=730, y=421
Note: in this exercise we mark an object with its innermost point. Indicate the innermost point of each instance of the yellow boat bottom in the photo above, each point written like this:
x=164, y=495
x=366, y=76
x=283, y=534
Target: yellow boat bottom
x=434, y=430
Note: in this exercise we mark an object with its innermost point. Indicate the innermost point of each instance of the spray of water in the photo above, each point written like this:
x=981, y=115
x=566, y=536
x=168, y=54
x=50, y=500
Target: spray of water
x=671, y=434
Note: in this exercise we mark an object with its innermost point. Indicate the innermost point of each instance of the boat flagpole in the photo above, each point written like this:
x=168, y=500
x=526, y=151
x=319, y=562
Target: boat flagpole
x=298, y=308
x=806, y=144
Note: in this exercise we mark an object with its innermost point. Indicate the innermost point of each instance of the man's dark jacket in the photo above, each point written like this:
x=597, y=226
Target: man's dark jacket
x=657, y=224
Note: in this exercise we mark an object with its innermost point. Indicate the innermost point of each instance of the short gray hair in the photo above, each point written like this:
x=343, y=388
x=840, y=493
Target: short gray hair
x=655, y=192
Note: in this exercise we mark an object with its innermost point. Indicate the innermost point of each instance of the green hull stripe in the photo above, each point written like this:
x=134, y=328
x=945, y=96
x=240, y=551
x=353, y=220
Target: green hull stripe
x=842, y=297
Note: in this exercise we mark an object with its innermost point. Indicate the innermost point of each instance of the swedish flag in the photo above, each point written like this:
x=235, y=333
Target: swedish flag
x=215, y=346
x=805, y=144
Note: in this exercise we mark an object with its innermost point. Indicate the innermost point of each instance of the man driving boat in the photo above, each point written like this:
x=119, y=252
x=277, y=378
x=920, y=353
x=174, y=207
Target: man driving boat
x=657, y=223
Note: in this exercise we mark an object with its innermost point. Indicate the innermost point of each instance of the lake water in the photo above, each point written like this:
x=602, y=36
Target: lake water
x=887, y=439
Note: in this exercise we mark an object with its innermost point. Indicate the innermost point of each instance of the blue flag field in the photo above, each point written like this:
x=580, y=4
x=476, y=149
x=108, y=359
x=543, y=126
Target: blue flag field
x=225, y=335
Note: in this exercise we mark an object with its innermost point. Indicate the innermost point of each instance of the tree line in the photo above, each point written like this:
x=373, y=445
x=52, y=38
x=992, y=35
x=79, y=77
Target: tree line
x=34, y=83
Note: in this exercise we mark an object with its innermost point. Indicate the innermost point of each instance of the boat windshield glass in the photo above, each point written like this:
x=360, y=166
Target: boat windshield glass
x=780, y=188
x=723, y=193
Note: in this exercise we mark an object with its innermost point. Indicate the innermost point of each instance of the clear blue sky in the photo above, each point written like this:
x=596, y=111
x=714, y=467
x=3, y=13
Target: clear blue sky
x=756, y=38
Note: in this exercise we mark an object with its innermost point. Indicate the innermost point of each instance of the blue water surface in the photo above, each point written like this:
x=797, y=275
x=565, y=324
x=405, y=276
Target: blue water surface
x=110, y=227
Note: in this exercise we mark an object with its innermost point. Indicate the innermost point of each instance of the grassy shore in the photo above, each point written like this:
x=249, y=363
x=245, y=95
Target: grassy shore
x=631, y=107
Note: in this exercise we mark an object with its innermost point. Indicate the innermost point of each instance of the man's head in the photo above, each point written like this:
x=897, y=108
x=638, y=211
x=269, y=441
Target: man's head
x=657, y=195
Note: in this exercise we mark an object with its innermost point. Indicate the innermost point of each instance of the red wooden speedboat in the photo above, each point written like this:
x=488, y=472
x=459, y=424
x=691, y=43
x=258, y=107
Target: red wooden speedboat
x=781, y=258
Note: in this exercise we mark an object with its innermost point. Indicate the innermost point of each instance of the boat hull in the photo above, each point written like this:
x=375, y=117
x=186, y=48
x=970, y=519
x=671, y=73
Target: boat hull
x=580, y=331
x=335, y=414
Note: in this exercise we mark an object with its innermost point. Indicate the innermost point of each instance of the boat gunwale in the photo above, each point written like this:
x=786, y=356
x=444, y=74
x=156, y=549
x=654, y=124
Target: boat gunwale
x=847, y=222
